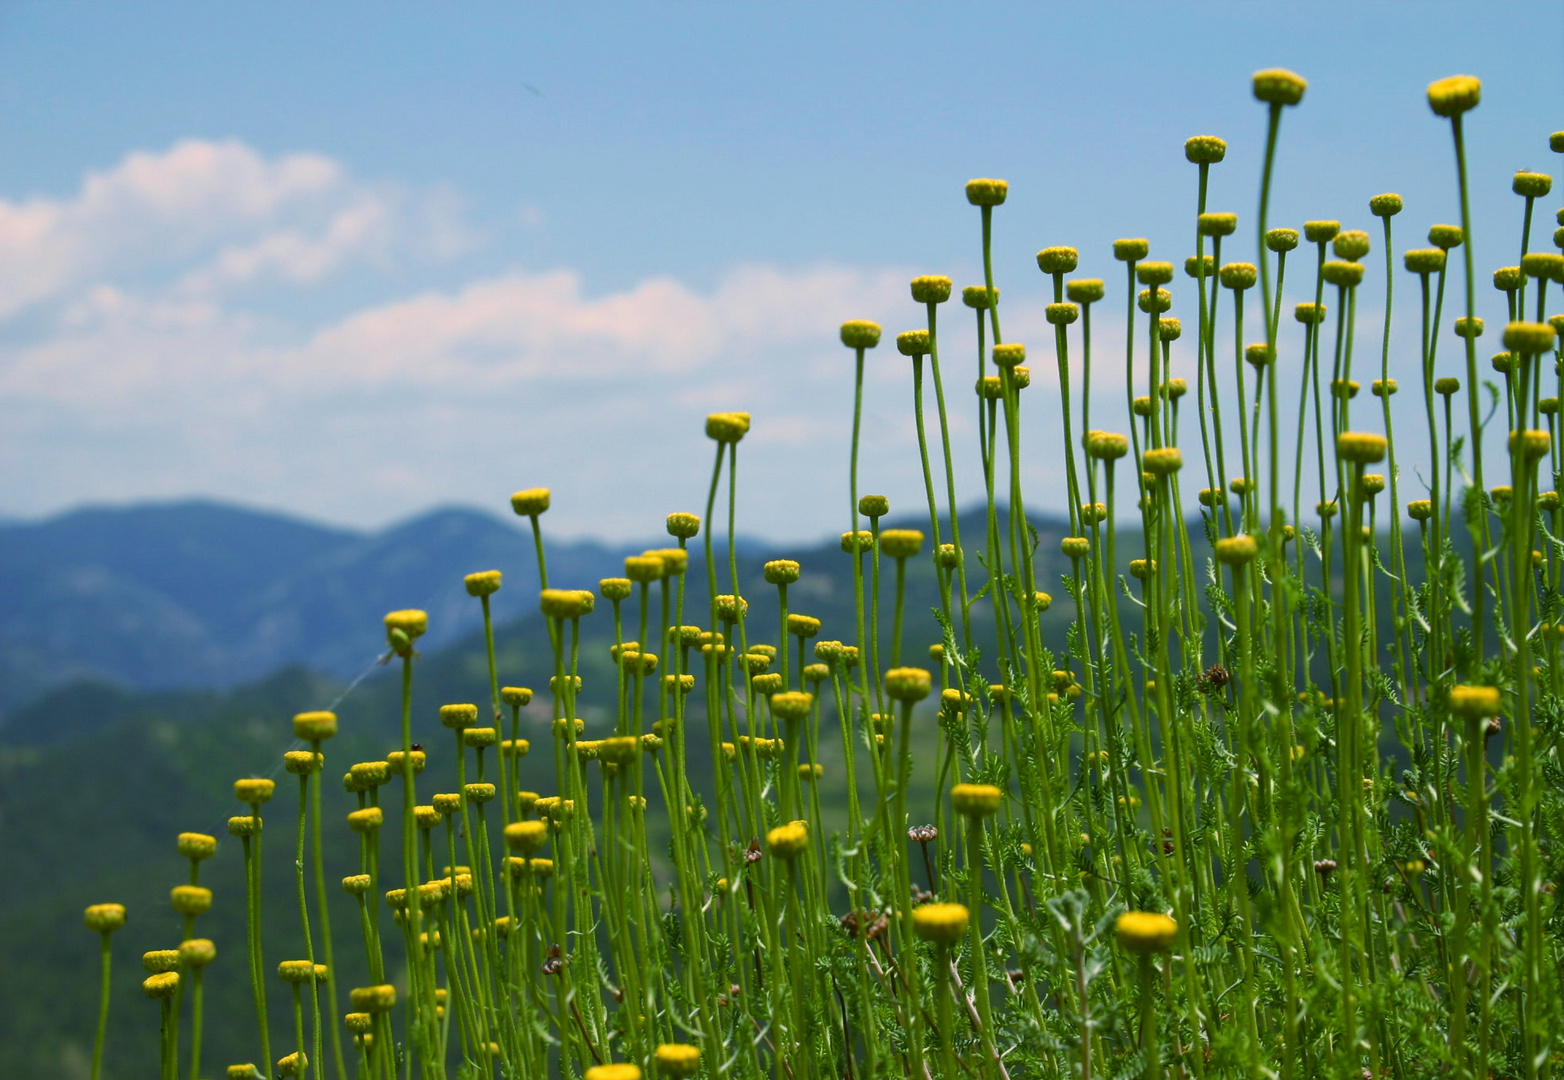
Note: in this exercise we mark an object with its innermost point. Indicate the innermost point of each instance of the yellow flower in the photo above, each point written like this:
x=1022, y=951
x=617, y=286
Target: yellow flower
x=678, y=1059
x=1145, y=931
x=908, y=683
x=105, y=918
x=1474, y=702
x=941, y=923
x=976, y=800
x=788, y=841
x=618, y=1071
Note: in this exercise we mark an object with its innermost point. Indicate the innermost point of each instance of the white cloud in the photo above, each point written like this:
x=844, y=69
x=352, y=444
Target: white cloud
x=507, y=381
x=139, y=372
x=215, y=214
x=149, y=378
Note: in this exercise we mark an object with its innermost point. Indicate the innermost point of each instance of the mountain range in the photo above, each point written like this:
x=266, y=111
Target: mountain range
x=203, y=594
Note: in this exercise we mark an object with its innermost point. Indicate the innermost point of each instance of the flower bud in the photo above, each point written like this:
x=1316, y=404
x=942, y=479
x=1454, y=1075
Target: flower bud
x=403, y=628
x=985, y=192
x=857, y=543
x=105, y=918
x=1131, y=250
x=914, y=343
x=1009, y=355
x=303, y=762
x=373, y=999
x=943, y=924
x=976, y=800
x=1239, y=276
x=1533, y=185
x=792, y=705
x=1075, y=547
x=1058, y=260
x=254, y=791
x=1341, y=273
x=1154, y=273
x=788, y=841
x=565, y=603
x=976, y=297
x=856, y=334
x=1351, y=245
x=1281, y=240
x=162, y=986
x=931, y=289
x=531, y=502
x=1213, y=224
x=1387, y=205
x=1360, y=447
x=781, y=572
x=1454, y=95
x=190, y=899
x=1531, y=445
x=901, y=543
x=1543, y=264
x=483, y=583
x=1446, y=237
x=1528, y=338
x=1162, y=461
x=1106, y=446
x=908, y=684
x=615, y=588
x=1162, y=302
x=197, y=952
x=1320, y=232
x=457, y=717
x=1474, y=702
x=1084, y=290
x=727, y=427
x=1143, y=932
x=1204, y=149
x=396, y=761
x=677, y=1059
x=805, y=626
x=1278, y=86
x=197, y=846
x=479, y=738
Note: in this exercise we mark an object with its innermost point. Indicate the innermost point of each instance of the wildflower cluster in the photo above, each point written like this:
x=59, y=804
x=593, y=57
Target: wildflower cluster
x=1286, y=804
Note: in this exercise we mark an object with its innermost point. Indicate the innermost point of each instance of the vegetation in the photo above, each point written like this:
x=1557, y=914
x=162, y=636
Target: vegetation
x=1271, y=790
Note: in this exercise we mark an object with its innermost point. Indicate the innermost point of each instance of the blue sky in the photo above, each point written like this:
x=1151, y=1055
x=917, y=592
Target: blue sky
x=353, y=261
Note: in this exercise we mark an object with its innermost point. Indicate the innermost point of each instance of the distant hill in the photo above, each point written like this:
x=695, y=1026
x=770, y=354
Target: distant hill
x=202, y=594
x=206, y=595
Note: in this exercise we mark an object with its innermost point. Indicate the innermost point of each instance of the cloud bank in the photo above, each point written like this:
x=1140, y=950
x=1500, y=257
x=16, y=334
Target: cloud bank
x=153, y=344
